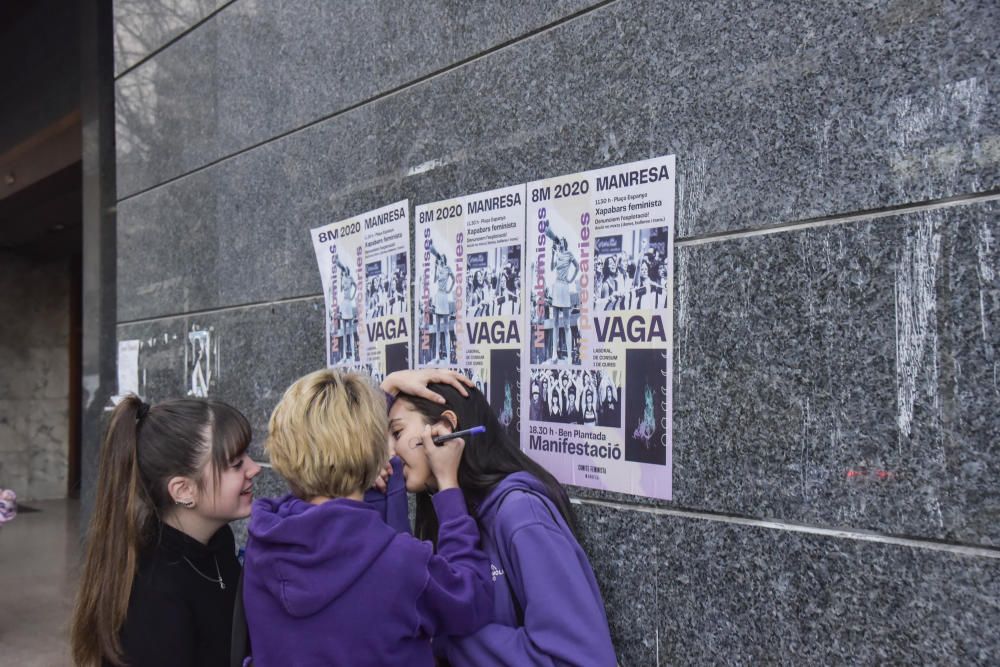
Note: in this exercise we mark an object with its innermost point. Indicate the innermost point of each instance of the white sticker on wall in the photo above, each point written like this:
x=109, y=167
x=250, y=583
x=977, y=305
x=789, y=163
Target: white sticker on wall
x=128, y=369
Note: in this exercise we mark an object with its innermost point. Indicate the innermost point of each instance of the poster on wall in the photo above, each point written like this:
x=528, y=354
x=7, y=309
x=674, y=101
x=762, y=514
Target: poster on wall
x=469, y=314
x=364, y=265
x=597, y=365
x=128, y=370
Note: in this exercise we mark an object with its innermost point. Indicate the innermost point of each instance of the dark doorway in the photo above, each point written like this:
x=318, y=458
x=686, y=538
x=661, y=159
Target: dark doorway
x=40, y=248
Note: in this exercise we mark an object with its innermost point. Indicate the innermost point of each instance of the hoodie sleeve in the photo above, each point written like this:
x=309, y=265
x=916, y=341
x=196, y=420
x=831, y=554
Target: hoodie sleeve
x=564, y=621
x=458, y=596
x=392, y=505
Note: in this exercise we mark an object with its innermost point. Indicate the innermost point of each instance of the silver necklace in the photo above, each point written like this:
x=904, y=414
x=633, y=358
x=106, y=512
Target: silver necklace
x=217, y=580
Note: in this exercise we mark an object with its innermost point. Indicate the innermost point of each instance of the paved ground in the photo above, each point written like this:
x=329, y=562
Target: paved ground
x=39, y=555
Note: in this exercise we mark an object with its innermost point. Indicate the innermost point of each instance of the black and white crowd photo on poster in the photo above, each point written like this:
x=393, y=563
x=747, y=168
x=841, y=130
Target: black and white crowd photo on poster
x=493, y=282
x=386, y=286
x=631, y=270
x=558, y=309
x=575, y=397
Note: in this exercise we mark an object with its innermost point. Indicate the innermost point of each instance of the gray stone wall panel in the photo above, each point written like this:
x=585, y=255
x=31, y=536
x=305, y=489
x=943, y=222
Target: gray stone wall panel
x=144, y=26
x=259, y=69
x=842, y=107
x=803, y=144
x=801, y=110
x=844, y=375
x=624, y=553
x=262, y=350
x=169, y=244
x=750, y=595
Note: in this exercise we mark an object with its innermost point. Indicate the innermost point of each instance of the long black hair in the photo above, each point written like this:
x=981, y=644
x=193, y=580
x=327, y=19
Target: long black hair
x=487, y=459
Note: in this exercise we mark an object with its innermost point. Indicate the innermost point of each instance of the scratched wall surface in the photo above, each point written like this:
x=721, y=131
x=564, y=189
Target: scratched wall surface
x=837, y=297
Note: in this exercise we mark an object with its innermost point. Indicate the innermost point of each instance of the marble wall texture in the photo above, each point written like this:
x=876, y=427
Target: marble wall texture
x=837, y=292
x=34, y=383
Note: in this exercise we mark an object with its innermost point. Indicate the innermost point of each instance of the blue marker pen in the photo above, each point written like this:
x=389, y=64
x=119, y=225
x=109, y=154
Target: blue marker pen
x=458, y=434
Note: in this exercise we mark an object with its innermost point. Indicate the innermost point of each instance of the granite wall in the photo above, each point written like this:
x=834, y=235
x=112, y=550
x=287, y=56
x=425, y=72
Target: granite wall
x=34, y=382
x=837, y=293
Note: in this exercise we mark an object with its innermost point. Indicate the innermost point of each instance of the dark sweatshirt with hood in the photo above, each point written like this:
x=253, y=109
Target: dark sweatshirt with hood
x=333, y=584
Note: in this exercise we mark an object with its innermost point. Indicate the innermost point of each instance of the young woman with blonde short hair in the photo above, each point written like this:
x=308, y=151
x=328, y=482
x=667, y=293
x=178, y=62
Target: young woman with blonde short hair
x=327, y=581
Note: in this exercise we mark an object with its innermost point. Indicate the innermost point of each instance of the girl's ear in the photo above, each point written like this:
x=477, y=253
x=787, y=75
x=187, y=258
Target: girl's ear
x=182, y=490
x=449, y=418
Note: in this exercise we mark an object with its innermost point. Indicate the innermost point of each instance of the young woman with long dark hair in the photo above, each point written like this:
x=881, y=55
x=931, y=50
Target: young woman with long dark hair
x=547, y=606
x=160, y=574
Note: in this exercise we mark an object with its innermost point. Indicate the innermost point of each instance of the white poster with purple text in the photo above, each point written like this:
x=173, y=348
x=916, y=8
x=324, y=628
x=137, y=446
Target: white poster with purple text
x=469, y=313
x=597, y=363
x=364, y=265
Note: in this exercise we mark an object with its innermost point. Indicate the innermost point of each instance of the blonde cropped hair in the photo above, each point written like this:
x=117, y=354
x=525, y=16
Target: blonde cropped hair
x=327, y=435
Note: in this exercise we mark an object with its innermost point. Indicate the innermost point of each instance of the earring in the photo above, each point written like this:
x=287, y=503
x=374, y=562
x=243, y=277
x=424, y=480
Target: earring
x=185, y=503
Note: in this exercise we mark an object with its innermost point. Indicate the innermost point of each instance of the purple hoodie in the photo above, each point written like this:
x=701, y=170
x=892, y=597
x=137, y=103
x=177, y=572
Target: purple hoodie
x=533, y=552
x=392, y=505
x=333, y=584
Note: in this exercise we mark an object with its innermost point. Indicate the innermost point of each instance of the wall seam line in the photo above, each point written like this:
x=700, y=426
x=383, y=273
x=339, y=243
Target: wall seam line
x=212, y=311
x=797, y=225
x=379, y=96
x=173, y=40
x=843, y=533
x=839, y=219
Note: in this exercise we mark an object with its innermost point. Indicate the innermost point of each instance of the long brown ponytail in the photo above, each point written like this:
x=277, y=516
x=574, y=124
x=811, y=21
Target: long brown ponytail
x=142, y=449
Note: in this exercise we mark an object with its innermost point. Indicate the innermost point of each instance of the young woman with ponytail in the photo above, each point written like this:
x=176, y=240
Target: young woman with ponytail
x=160, y=577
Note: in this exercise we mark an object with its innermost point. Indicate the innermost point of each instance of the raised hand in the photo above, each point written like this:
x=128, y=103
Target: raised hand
x=414, y=382
x=443, y=458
